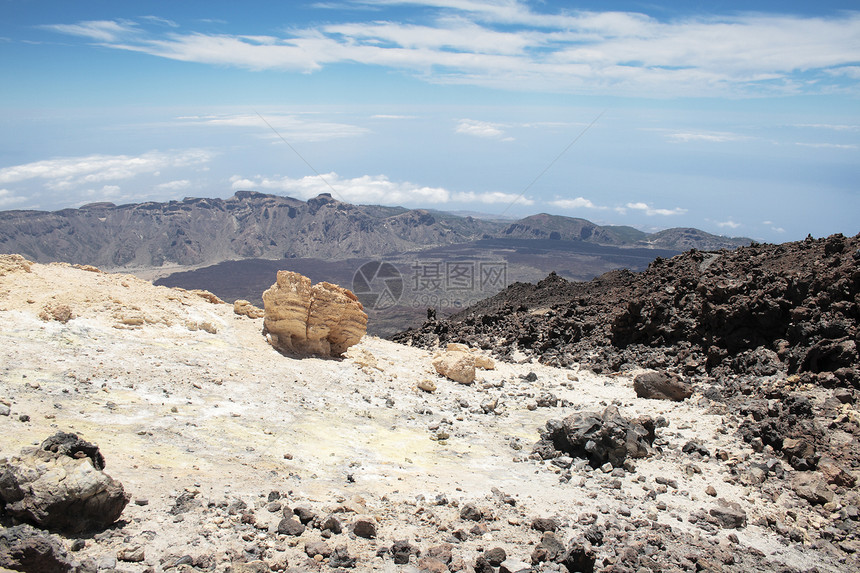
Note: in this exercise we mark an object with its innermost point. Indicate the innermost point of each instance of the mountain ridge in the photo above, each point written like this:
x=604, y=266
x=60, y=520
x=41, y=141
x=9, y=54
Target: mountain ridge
x=206, y=231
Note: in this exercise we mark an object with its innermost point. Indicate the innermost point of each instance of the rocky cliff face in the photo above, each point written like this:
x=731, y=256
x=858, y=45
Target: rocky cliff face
x=207, y=231
x=200, y=232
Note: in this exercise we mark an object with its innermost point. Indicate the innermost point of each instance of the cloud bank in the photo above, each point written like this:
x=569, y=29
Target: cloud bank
x=66, y=173
x=508, y=45
x=372, y=189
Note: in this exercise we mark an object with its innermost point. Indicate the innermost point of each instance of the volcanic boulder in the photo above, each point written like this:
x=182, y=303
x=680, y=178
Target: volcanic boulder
x=63, y=489
x=599, y=437
x=322, y=319
x=662, y=386
x=25, y=548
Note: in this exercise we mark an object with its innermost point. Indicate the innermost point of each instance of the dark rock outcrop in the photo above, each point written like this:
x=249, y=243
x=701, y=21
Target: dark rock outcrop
x=25, y=548
x=598, y=437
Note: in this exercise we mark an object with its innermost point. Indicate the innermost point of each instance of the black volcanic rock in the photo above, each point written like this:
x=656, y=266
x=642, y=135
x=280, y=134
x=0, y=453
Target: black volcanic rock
x=761, y=309
x=755, y=330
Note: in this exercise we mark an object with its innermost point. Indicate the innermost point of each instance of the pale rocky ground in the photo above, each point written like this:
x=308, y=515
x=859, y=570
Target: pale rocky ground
x=182, y=395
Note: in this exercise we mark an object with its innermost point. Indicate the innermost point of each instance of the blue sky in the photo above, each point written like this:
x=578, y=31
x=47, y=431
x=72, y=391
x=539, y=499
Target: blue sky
x=740, y=118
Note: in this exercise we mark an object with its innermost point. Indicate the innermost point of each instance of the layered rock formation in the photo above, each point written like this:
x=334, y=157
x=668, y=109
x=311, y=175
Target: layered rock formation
x=322, y=319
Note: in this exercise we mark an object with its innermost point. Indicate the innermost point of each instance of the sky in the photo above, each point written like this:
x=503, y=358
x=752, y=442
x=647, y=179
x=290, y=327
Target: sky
x=738, y=118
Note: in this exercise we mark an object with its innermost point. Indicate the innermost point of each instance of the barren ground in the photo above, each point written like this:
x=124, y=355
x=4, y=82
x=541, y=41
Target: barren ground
x=182, y=395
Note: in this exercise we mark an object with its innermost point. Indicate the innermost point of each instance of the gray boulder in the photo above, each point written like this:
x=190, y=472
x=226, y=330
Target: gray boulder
x=60, y=491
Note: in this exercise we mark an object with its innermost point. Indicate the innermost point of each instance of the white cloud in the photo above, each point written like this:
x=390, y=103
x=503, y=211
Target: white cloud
x=835, y=127
x=728, y=224
x=370, y=189
x=392, y=116
x=829, y=145
x=651, y=211
x=364, y=189
x=773, y=226
x=576, y=203
x=291, y=127
x=491, y=197
x=177, y=185
x=69, y=172
x=711, y=137
x=482, y=129
x=108, y=31
x=506, y=44
x=8, y=198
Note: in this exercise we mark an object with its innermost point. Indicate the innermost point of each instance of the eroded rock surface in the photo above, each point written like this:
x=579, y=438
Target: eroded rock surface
x=302, y=318
x=62, y=490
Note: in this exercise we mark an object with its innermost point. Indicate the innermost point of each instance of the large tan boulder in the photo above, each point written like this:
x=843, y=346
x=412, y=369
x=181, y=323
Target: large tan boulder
x=456, y=365
x=320, y=319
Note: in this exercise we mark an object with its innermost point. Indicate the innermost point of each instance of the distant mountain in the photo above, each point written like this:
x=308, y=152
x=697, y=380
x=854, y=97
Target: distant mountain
x=198, y=232
x=555, y=227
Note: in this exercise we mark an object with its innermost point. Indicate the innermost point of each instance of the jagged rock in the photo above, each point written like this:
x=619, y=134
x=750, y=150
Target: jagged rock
x=340, y=558
x=483, y=566
x=71, y=445
x=290, y=526
x=25, y=548
x=322, y=319
x=332, y=523
x=549, y=549
x=544, y=524
x=813, y=489
x=495, y=556
x=656, y=385
x=800, y=454
x=514, y=566
x=365, y=527
x=401, y=550
x=244, y=308
x=56, y=311
x=598, y=437
x=836, y=474
x=579, y=557
x=729, y=515
x=470, y=512
x=441, y=553
x=456, y=365
x=57, y=491
x=305, y=514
